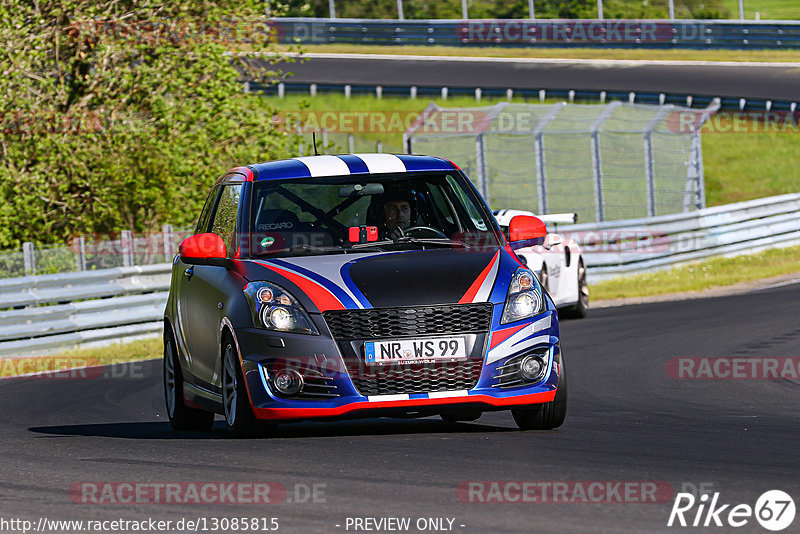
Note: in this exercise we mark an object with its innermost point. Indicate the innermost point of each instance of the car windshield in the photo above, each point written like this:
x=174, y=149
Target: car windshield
x=357, y=213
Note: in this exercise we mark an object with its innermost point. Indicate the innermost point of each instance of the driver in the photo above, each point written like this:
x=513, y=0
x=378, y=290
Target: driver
x=398, y=212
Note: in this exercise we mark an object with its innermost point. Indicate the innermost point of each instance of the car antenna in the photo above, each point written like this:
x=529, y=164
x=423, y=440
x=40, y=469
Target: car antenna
x=314, y=140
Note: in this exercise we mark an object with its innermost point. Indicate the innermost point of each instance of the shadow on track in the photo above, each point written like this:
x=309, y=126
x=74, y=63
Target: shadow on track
x=367, y=427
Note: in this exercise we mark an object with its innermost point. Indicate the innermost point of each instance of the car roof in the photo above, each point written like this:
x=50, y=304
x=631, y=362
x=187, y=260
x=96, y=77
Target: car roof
x=341, y=165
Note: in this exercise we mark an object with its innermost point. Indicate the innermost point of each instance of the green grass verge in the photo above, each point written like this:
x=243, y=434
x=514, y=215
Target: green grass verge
x=144, y=349
x=701, y=276
x=564, y=53
x=768, y=9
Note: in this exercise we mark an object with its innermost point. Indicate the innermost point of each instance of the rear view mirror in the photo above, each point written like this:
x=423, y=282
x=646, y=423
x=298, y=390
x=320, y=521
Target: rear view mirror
x=360, y=190
x=526, y=231
x=204, y=249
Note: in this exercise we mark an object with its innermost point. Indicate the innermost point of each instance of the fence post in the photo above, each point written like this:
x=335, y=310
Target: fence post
x=649, y=159
x=480, y=163
x=169, y=242
x=541, y=174
x=597, y=162
x=126, y=244
x=29, y=258
x=80, y=247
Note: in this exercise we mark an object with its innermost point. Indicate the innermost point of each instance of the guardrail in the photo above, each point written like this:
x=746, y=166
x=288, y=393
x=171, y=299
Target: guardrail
x=607, y=33
x=640, y=245
x=62, y=311
x=56, y=312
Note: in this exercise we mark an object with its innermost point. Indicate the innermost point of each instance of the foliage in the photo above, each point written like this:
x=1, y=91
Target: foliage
x=514, y=9
x=120, y=114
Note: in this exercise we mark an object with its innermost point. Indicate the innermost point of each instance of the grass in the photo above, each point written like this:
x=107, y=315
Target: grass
x=144, y=349
x=700, y=276
x=564, y=53
x=768, y=9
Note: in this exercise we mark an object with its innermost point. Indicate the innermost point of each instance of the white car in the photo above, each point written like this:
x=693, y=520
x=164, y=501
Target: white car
x=559, y=266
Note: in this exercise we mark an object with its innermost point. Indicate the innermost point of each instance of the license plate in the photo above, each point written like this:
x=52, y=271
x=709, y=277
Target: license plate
x=415, y=350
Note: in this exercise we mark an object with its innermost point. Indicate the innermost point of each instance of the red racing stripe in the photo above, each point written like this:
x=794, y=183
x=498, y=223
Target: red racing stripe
x=476, y=285
x=501, y=335
x=322, y=298
x=297, y=413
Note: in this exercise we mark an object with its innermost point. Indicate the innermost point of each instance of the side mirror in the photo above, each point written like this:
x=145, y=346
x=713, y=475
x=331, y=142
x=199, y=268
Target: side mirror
x=204, y=249
x=526, y=231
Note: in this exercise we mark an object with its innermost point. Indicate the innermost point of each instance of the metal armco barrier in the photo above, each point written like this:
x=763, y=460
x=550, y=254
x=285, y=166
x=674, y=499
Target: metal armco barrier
x=127, y=303
x=62, y=311
x=606, y=33
x=636, y=246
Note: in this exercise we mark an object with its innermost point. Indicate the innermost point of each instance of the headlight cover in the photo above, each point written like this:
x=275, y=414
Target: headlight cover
x=274, y=308
x=524, y=298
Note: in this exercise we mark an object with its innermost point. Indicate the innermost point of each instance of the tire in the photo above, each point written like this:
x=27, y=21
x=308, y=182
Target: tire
x=181, y=417
x=548, y=415
x=581, y=308
x=239, y=418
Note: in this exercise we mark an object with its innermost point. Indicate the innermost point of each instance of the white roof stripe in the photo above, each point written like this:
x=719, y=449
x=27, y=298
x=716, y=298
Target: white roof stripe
x=325, y=165
x=381, y=163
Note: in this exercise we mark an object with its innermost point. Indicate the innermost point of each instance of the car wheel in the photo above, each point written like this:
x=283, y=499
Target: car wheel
x=545, y=281
x=181, y=417
x=463, y=416
x=581, y=308
x=547, y=415
x=239, y=418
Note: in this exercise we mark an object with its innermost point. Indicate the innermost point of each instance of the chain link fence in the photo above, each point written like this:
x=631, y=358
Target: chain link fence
x=603, y=162
x=83, y=253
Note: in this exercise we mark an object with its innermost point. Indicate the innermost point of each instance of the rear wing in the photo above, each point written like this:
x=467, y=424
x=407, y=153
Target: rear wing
x=559, y=218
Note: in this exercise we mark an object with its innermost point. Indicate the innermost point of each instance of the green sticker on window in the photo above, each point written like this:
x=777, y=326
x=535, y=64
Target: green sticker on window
x=267, y=241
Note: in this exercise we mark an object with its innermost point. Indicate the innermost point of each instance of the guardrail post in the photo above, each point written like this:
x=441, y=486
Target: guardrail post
x=351, y=143
x=169, y=242
x=413, y=92
x=379, y=147
x=80, y=257
x=126, y=244
x=281, y=90
x=29, y=258
x=324, y=139
x=348, y=89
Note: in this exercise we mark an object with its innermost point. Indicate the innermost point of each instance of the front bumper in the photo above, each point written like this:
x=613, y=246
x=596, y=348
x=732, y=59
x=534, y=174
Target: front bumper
x=261, y=350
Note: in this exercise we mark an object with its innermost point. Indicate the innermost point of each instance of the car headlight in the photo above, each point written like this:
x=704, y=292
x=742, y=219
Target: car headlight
x=274, y=308
x=524, y=297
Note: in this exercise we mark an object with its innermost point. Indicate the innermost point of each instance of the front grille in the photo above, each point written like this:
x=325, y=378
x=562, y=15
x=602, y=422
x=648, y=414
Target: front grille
x=405, y=322
x=350, y=328
x=418, y=378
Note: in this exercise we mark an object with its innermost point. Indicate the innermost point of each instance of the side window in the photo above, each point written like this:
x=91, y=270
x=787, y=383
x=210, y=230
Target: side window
x=225, y=215
x=472, y=210
x=205, y=215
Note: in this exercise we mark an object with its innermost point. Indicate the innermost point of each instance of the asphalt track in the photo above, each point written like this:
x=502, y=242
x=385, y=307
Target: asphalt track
x=627, y=421
x=761, y=81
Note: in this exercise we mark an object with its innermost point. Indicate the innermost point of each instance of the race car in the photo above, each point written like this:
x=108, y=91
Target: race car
x=559, y=265
x=359, y=285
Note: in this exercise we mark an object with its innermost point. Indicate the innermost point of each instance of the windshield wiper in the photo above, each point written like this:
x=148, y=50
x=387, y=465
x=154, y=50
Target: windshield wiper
x=412, y=240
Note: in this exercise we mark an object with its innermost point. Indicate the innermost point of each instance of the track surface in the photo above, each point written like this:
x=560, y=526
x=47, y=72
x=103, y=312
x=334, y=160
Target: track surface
x=768, y=82
x=627, y=421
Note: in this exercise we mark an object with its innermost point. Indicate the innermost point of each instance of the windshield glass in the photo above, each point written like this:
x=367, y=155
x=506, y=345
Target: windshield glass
x=343, y=214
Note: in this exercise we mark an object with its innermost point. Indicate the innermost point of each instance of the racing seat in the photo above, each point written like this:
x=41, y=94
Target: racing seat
x=285, y=230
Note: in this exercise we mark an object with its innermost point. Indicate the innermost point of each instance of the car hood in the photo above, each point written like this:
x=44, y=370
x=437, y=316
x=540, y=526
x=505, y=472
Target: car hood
x=390, y=279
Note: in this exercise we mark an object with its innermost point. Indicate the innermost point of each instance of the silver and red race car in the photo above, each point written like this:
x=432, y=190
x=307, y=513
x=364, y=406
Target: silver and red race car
x=558, y=264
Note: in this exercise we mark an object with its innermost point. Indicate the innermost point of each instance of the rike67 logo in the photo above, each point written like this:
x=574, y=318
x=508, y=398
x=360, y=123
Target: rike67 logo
x=774, y=510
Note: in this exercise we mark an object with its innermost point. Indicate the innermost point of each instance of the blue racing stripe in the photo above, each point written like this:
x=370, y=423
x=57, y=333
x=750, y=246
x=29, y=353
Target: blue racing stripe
x=417, y=396
x=355, y=164
x=425, y=163
x=343, y=297
x=281, y=170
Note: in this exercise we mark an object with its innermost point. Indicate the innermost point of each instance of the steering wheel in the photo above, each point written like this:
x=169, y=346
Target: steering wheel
x=424, y=229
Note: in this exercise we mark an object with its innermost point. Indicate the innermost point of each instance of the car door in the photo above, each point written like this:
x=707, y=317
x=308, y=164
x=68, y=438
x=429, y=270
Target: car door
x=202, y=292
